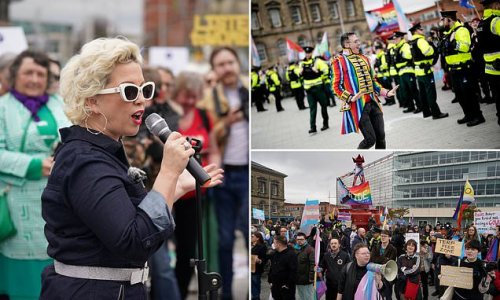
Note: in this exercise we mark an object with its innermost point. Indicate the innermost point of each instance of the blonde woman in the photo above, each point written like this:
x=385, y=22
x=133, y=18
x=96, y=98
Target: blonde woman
x=101, y=224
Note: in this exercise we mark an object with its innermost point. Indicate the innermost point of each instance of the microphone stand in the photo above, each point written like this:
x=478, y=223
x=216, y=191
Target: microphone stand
x=207, y=282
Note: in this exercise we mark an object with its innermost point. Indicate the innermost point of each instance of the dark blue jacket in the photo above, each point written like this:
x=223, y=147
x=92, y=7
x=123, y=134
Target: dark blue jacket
x=95, y=214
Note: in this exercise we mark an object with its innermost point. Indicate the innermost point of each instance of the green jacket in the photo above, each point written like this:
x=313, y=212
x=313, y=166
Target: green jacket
x=24, y=195
x=305, y=266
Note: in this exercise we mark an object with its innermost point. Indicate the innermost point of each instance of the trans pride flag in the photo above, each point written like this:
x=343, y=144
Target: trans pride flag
x=310, y=216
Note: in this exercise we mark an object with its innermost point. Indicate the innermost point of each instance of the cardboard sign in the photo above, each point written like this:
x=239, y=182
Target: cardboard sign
x=220, y=30
x=175, y=58
x=486, y=221
x=253, y=262
x=12, y=39
x=449, y=247
x=459, y=277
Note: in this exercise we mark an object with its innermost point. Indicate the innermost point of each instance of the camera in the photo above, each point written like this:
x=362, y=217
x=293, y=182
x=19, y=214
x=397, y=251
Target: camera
x=490, y=266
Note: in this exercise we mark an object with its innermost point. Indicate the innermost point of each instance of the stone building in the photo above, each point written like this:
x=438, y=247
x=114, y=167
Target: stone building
x=268, y=190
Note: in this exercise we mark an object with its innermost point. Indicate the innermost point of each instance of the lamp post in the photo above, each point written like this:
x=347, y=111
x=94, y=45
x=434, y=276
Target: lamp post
x=269, y=192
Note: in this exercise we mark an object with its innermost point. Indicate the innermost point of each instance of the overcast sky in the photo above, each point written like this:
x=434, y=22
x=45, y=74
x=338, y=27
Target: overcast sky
x=312, y=174
x=126, y=16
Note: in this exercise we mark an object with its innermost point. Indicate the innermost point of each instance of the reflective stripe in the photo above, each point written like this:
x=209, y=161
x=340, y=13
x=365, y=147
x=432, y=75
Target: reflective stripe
x=406, y=70
x=488, y=57
x=459, y=58
x=494, y=25
x=308, y=83
x=490, y=70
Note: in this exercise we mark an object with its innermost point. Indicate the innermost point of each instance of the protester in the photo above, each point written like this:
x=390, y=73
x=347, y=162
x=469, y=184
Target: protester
x=101, y=224
x=283, y=270
x=407, y=282
x=6, y=60
x=361, y=105
x=478, y=274
x=259, y=249
x=29, y=119
x=381, y=254
x=359, y=238
x=305, y=268
x=331, y=264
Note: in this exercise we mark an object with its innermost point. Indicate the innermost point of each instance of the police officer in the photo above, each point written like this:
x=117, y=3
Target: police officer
x=456, y=47
x=390, y=55
x=257, y=94
x=404, y=66
x=327, y=84
x=273, y=84
x=293, y=77
x=312, y=70
x=381, y=68
x=489, y=41
x=423, y=57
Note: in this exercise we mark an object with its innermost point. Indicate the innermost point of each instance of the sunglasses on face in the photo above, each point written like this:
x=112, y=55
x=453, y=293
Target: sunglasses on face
x=130, y=92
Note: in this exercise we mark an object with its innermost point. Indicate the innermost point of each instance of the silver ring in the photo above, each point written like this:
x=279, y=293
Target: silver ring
x=187, y=145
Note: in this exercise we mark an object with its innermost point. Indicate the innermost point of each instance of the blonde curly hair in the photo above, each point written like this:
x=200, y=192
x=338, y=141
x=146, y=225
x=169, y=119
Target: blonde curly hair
x=87, y=73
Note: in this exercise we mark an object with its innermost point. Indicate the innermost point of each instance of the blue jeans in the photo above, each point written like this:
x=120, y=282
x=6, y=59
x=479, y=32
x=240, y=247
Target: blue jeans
x=256, y=285
x=231, y=205
x=163, y=280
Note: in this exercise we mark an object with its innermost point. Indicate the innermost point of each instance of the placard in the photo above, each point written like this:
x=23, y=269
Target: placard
x=258, y=214
x=459, y=277
x=174, y=58
x=486, y=221
x=13, y=40
x=220, y=30
x=449, y=247
x=413, y=236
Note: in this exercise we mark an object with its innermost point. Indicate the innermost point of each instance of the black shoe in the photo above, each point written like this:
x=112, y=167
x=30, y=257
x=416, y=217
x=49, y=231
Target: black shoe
x=313, y=130
x=417, y=111
x=476, y=121
x=324, y=128
x=441, y=116
x=392, y=103
x=427, y=115
x=408, y=110
x=281, y=109
x=455, y=100
x=386, y=103
x=435, y=293
x=464, y=120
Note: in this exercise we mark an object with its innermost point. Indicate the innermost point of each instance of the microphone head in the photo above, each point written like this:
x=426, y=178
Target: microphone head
x=156, y=124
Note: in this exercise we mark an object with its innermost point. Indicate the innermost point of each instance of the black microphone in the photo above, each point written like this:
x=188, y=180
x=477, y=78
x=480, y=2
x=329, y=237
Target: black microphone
x=159, y=127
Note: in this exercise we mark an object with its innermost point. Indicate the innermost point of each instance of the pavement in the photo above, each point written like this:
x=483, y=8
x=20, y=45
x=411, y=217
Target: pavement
x=289, y=129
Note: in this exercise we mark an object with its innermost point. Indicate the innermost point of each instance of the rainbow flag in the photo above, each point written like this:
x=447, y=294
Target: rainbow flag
x=466, y=198
x=356, y=195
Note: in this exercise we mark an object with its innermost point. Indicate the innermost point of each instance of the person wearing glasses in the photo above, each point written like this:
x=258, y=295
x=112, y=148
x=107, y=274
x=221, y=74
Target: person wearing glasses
x=101, y=224
x=354, y=83
x=29, y=119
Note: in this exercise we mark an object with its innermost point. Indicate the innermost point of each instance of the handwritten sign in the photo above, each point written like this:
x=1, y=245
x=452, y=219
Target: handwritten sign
x=449, y=247
x=486, y=221
x=413, y=236
x=459, y=277
x=220, y=30
x=258, y=214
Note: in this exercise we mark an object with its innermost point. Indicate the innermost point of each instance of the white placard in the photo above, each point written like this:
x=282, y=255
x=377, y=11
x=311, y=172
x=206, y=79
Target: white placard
x=413, y=236
x=12, y=39
x=174, y=58
x=486, y=221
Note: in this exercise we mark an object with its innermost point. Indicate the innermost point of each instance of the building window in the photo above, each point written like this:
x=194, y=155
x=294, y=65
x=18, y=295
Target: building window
x=282, y=47
x=255, y=21
x=296, y=15
x=261, y=49
x=274, y=189
x=315, y=12
x=351, y=11
x=262, y=186
x=275, y=15
x=302, y=41
x=274, y=209
x=333, y=7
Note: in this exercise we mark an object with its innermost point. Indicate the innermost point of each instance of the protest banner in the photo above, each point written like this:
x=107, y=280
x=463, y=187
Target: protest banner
x=487, y=221
x=310, y=216
x=344, y=216
x=449, y=247
x=258, y=214
x=458, y=277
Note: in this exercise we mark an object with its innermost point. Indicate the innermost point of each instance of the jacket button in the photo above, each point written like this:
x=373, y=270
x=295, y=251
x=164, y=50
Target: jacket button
x=148, y=243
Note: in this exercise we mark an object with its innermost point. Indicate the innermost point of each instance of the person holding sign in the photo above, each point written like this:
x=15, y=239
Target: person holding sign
x=479, y=286
x=259, y=250
x=407, y=284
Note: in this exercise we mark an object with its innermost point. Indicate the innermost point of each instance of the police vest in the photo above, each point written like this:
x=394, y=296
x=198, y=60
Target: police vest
x=255, y=80
x=454, y=58
x=489, y=44
x=308, y=73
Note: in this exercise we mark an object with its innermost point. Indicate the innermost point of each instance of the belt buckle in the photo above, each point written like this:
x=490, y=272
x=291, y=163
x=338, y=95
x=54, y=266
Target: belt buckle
x=140, y=276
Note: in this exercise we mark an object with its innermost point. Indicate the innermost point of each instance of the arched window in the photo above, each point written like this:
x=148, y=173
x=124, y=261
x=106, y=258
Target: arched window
x=261, y=49
x=350, y=9
x=281, y=47
x=296, y=14
x=275, y=15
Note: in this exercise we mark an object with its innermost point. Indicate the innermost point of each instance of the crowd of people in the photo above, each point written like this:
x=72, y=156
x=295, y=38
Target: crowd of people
x=467, y=52
x=287, y=256
x=66, y=158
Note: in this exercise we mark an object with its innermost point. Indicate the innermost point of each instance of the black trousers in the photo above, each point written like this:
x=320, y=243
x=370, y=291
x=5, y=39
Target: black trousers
x=463, y=86
x=316, y=94
x=277, y=98
x=428, y=96
x=299, y=96
x=495, y=92
x=371, y=125
x=424, y=279
x=409, y=91
x=331, y=291
x=258, y=98
x=280, y=293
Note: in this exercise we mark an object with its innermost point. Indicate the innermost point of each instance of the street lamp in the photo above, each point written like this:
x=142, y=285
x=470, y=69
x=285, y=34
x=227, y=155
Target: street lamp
x=269, y=192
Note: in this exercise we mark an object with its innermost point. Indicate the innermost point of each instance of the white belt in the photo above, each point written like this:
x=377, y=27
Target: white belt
x=134, y=275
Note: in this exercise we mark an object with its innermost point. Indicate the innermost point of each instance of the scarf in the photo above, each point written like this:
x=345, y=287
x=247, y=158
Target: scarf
x=33, y=104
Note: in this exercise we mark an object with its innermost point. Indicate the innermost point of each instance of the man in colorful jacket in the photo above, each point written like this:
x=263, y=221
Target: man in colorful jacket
x=356, y=86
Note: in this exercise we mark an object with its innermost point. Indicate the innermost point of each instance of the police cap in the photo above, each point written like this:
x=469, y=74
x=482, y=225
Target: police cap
x=415, y=27
x=308, y=49
x=452, y=14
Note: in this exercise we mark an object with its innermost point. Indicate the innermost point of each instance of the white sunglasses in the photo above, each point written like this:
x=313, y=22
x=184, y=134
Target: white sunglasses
x=130, y=92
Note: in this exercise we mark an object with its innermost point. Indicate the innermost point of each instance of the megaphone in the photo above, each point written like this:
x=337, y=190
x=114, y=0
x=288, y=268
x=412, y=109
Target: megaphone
x=389, y=270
